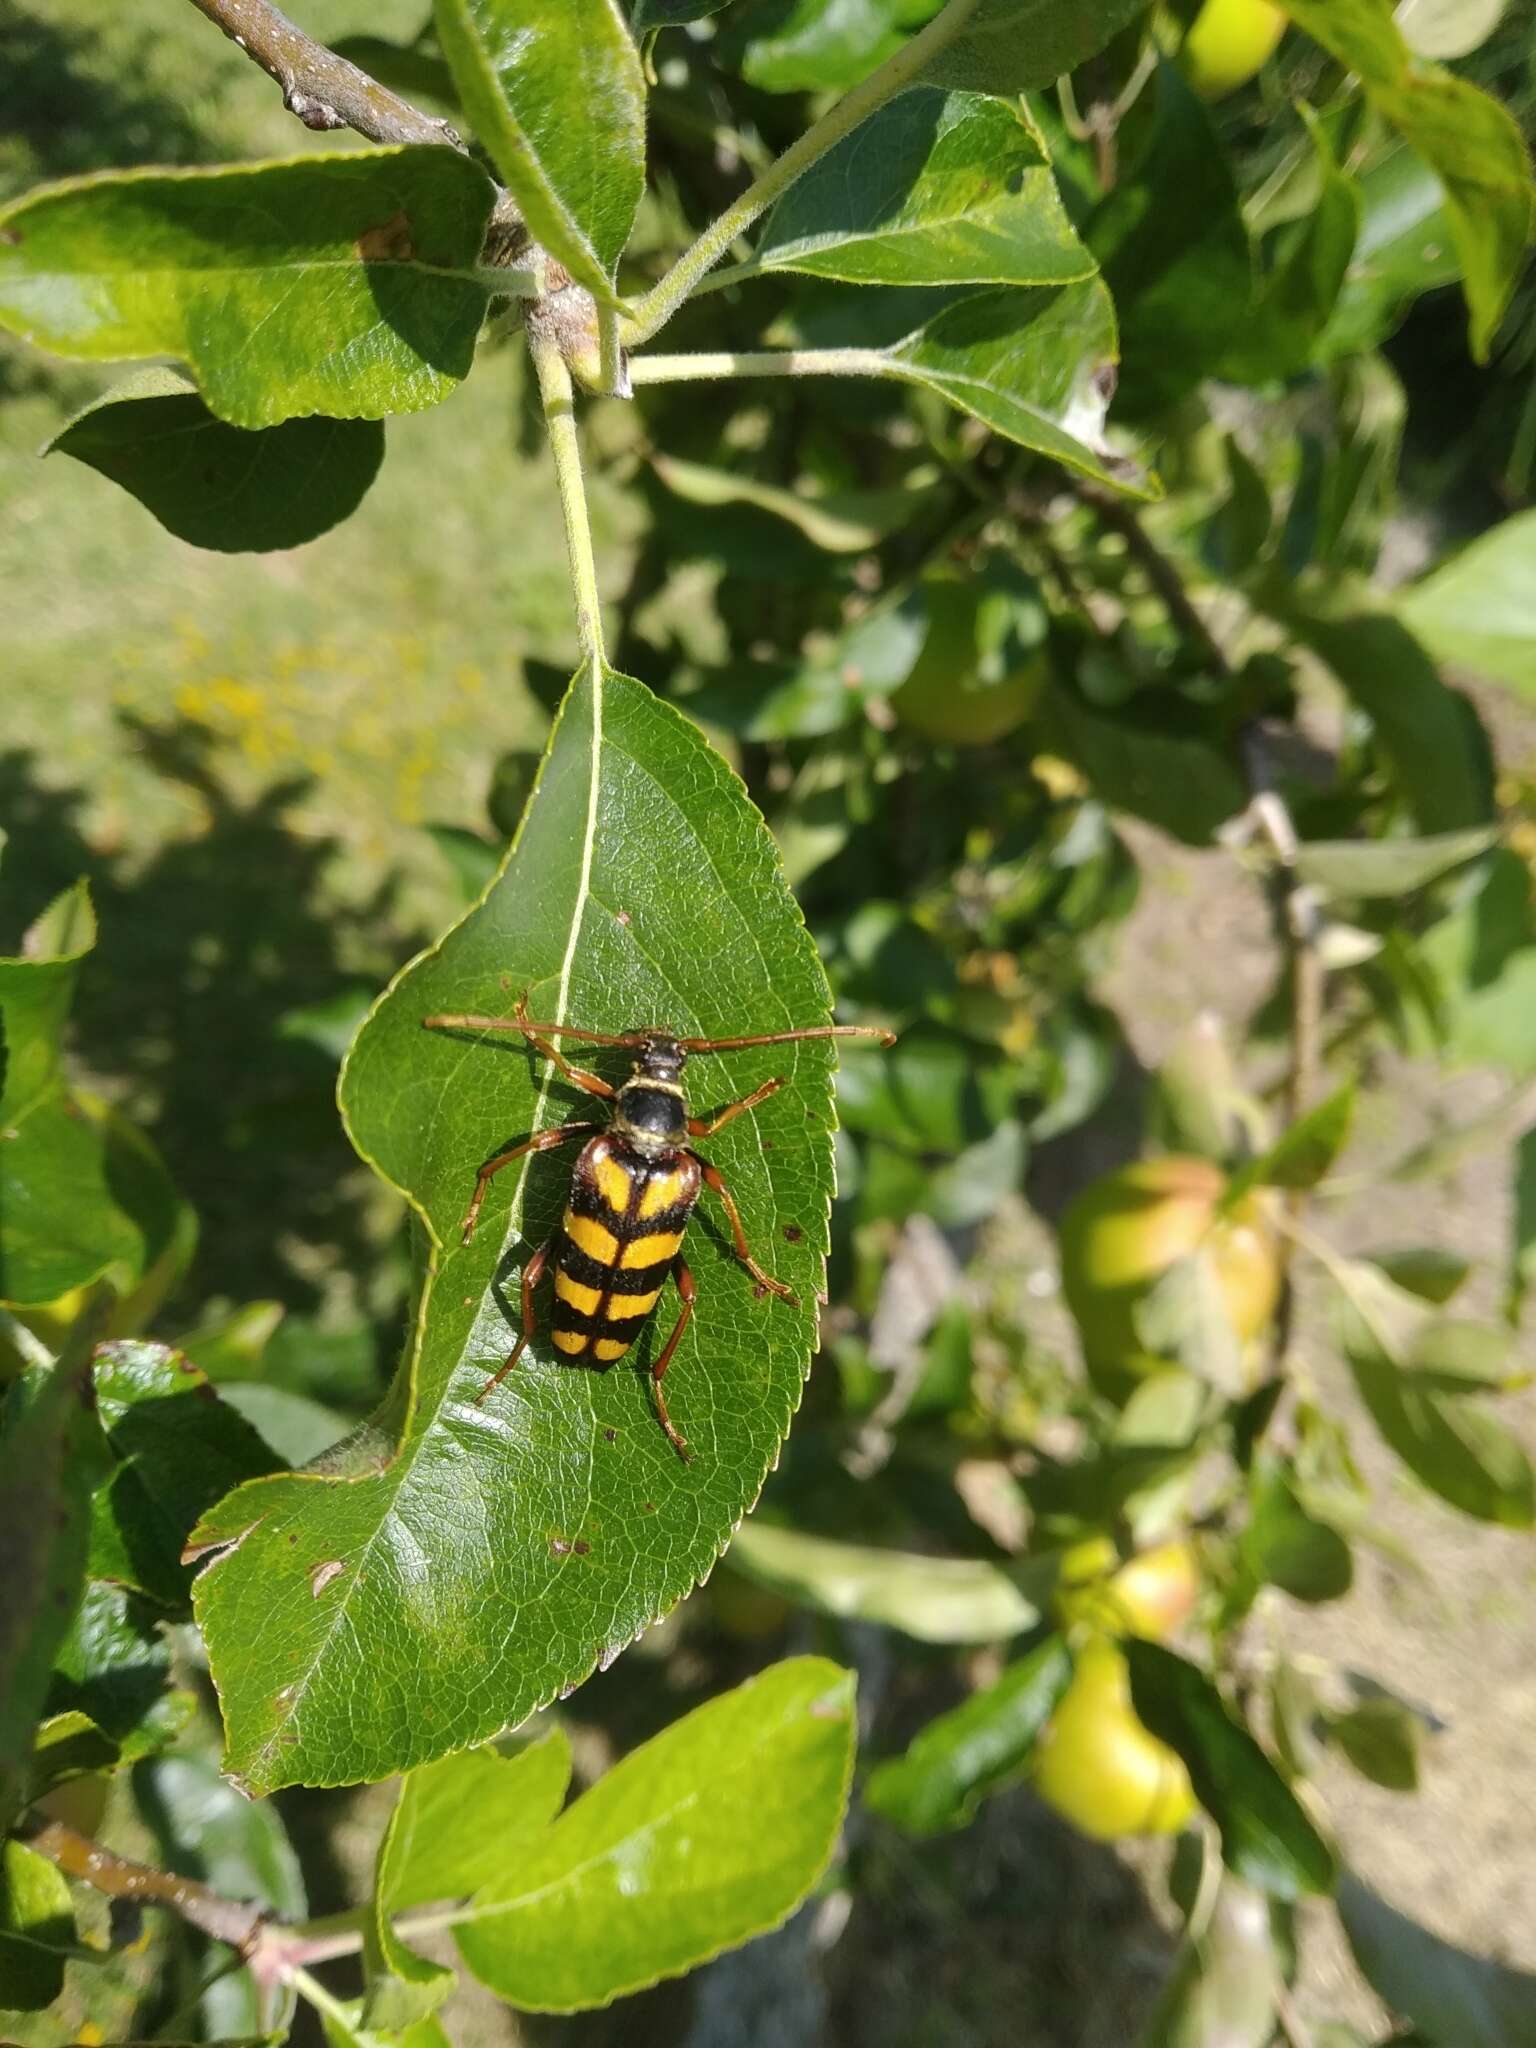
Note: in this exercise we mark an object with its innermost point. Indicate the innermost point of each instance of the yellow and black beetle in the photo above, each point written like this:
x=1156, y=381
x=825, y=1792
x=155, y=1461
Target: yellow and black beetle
x=633, y=1190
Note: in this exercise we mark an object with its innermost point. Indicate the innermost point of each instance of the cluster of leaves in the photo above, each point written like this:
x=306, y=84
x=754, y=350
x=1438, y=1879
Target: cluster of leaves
x=950, y=659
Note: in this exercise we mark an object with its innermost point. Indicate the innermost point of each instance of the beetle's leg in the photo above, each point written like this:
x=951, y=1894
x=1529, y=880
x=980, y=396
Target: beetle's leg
x=686, y=1289
x=594, y=1084
x=713, y=1178
x=533, y=1273
x=706, y=1126
x=542, y=1141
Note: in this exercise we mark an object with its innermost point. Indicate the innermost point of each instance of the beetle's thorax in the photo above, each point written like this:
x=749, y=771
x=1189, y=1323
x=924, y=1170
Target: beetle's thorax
x=650, y=1109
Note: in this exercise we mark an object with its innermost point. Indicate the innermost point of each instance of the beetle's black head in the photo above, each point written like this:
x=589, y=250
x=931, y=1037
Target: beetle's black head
x=661, y=1058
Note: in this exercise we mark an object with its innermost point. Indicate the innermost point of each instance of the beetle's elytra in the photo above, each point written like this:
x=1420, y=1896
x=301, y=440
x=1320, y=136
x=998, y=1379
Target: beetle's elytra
x=633, y=1190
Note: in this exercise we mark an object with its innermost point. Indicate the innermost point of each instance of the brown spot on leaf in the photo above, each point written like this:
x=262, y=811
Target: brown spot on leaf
x=12, y=237
x=390, y=243
x=793, y=1233
x=581, y=1548
x=610, y=1436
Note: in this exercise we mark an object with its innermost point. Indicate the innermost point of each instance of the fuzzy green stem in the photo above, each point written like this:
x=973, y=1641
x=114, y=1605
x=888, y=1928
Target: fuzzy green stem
x=893, y=76
x=790, y=362
x=314, y=1993
x=560, y=418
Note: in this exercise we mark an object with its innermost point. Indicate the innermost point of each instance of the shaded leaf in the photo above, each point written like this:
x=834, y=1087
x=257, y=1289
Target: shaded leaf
x=1430, y=734
x=1302, y=1155
x=177, y=1450
x=951, y=1765
x=1472, y=141
x=50, y=1459
x=814, y=45
x=1456, y=2000
x=555, y=92
x=205, y=1829
x=709, y=1833
x=492, y=1554
x=1389, y=867
x=228, y=488
x=1426, y=1270
x=1184, y=1317
x=648, y=14
x=1381, y=1739
x=1174, y=251
x=37, y=1928
x=1478, y=610
x=113, y=1670
x=840, y=525
x=935, y=188
x=1266, y=1835
x=1152, y=759
x=1403, y=249
x=1285, y=1546
x=935, y=1599
x=1446, y=1440
x=1011, y=46
x=340, y=285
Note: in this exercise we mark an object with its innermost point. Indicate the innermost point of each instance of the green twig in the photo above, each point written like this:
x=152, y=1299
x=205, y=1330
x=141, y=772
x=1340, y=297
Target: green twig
x=708, y=366
x=560, y=419
x=892, y=77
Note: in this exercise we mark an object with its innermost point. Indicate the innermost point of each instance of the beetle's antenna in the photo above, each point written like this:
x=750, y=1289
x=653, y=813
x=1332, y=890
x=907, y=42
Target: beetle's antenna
x=875, y=1031
x=526, y=1024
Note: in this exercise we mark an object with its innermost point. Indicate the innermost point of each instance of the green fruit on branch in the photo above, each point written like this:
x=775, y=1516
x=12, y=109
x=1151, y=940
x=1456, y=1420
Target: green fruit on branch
x=1227, y=42
x=1099, y=1767
x=1124, y=1232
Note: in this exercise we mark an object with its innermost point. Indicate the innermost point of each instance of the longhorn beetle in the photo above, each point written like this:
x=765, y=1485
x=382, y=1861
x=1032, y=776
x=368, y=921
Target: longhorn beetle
x=633, y=1190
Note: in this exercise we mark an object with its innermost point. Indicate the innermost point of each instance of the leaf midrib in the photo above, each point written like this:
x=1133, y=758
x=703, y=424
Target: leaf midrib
x=404, y=1462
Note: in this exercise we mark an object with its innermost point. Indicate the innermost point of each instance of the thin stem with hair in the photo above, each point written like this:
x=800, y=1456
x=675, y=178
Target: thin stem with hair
x=890, y=78
x=565, y=448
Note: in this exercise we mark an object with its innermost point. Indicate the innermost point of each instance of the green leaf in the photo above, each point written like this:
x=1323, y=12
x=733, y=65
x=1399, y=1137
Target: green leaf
x=1435, y=747
x=815, y=45
x=63, y=1163
x=113, y=1669
x=1478, y=610
x=1473, y=143
x=649, y=14
x=935, y=188
x=1404, y=248
x=710, y=1833
x=1302, y=1155
x=1226, y=1979
x=178, y=1449
x=1266, y=1836
x=228, y=488
x=841, y=525
x=341, y=285
x=1453, y=1446
x=1381, y=1739
x=442, y=1580
x=1174, y=251
x=37, y=1929
x=1183, y=1317
x=1389, y=867
x=1150, y=757
x=50, y=1458
x=555, y=92
x=1522, y=1260
x=1426, y=1270
x=951, y=1765
x=1036, y=366
x=1456, y=2000
x=1284, y=1546
x=454, y=1827
x=1012, y=46
x=934, y=1599
x=1303, y=273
